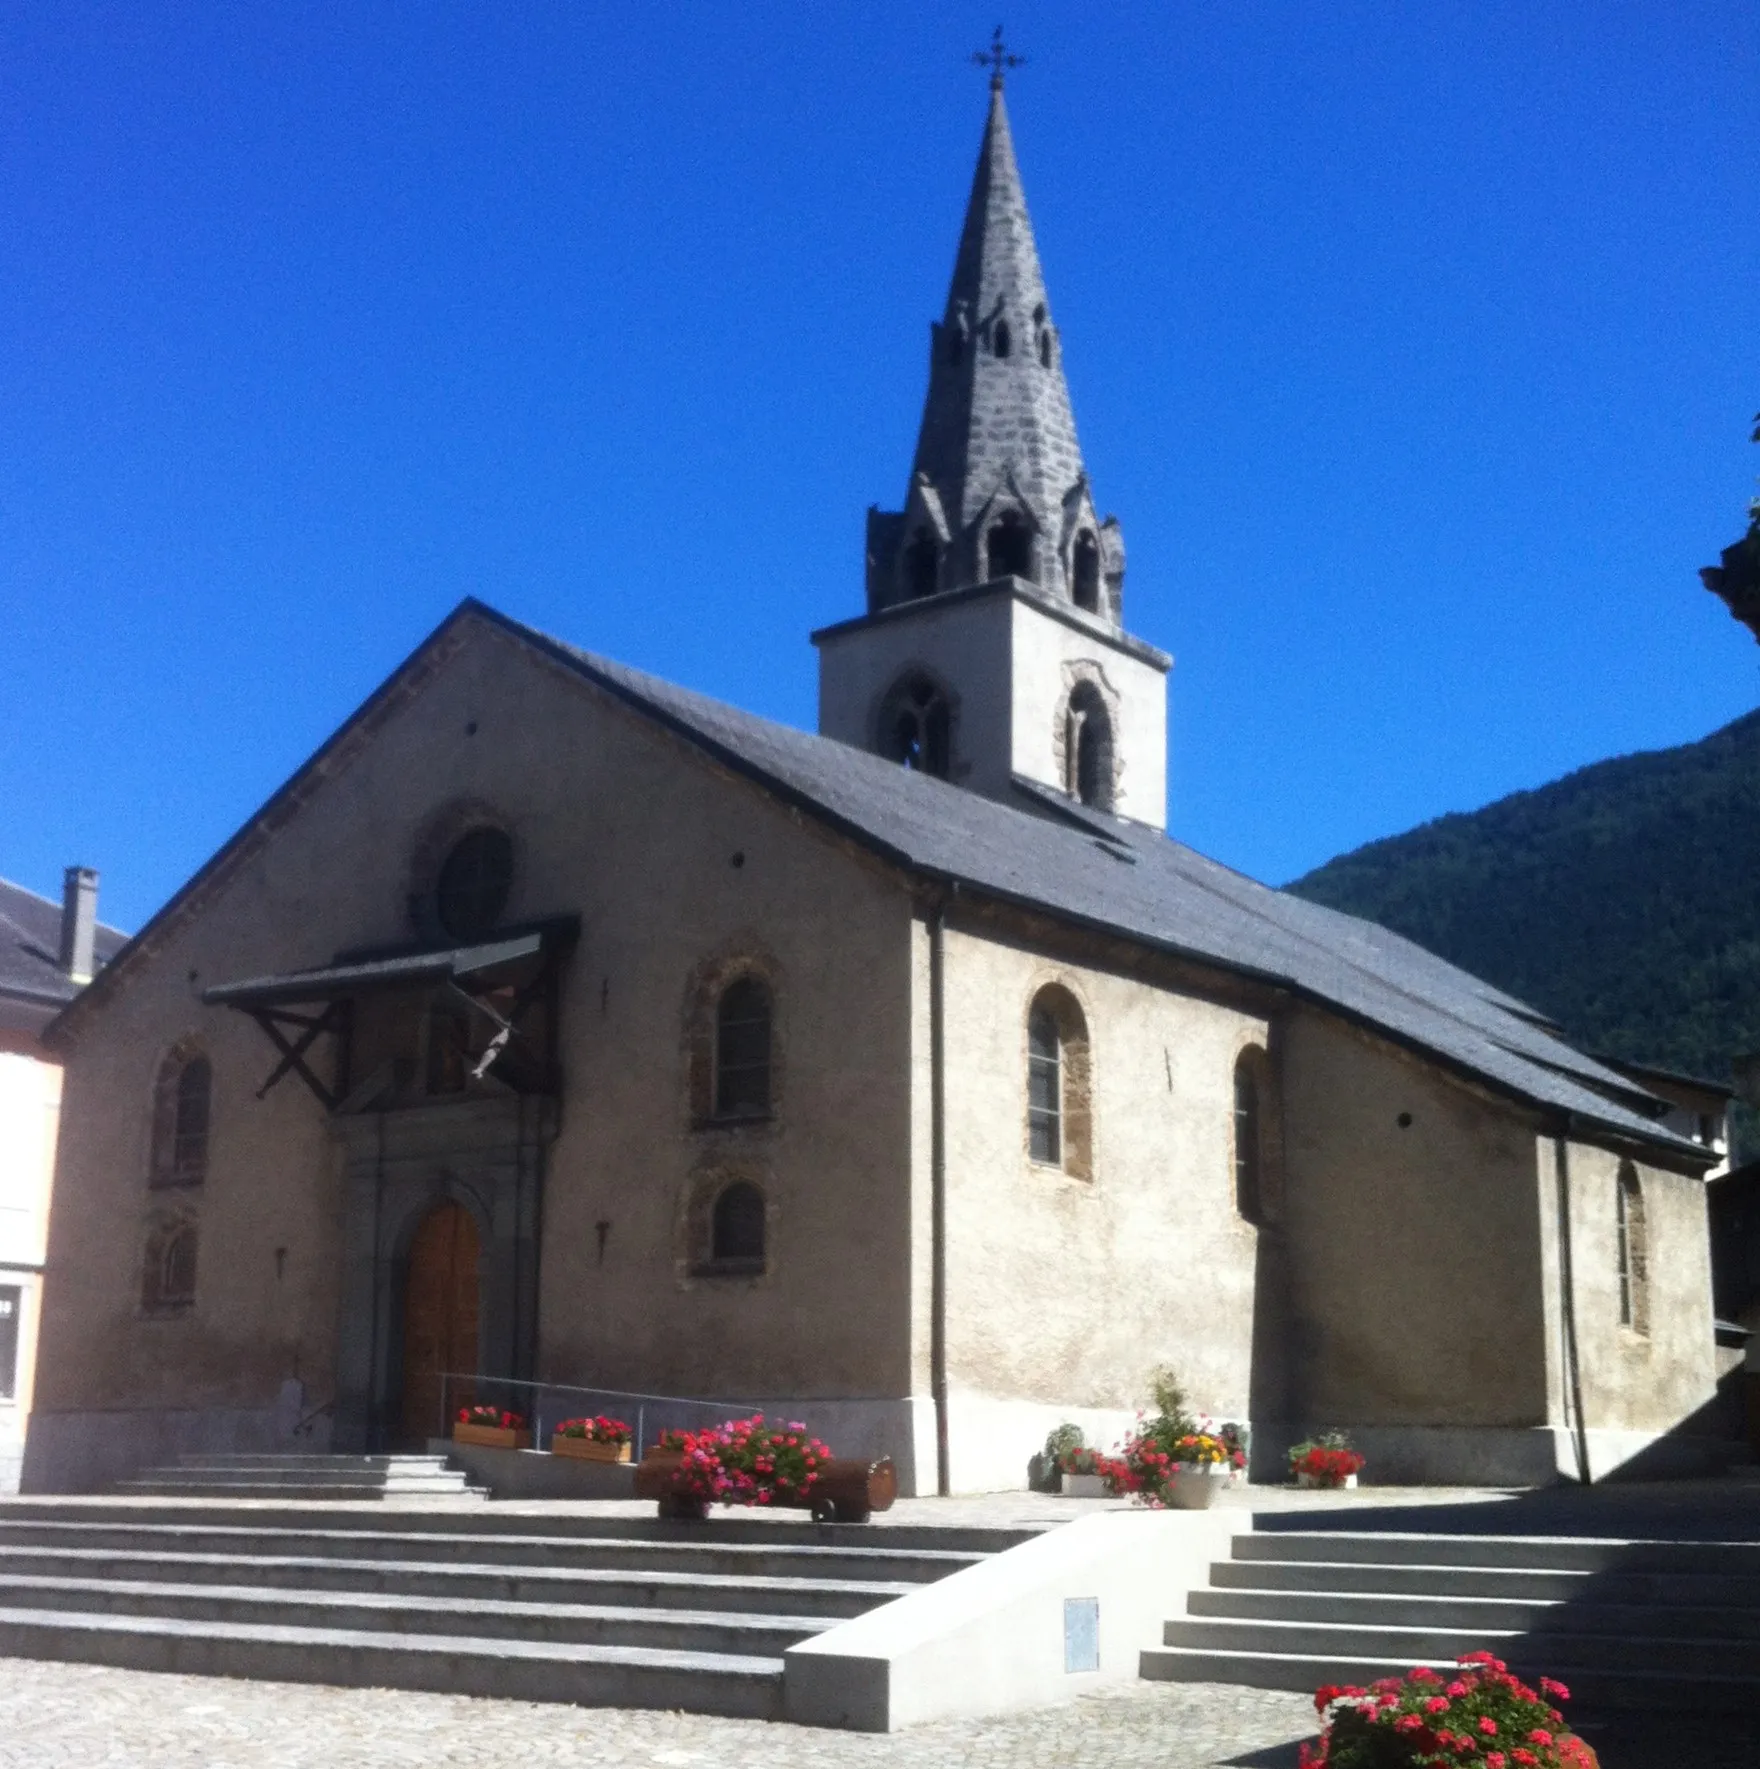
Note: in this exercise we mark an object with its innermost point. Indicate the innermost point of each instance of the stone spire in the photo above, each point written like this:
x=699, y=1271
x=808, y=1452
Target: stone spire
x=997, y=485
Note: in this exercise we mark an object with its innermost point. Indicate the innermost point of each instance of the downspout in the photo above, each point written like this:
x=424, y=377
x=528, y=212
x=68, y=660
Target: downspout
x=938, y=1185
x=1573, y=1371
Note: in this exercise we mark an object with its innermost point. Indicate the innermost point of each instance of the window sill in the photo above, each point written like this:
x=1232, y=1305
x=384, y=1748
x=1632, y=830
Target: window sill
x=729, y=1268
x=176, y=1183
x=736, y=1121
x=166, y=1311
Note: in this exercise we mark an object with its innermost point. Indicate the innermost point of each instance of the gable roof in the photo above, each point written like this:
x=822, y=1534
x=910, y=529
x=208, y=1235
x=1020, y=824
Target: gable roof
x=1093, y=871
x=33, y=986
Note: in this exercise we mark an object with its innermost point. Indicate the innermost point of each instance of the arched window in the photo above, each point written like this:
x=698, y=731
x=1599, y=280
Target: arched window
x=1001, y=340
x=742, y=1049
x=922, y=565
x=168, y=1276
x=1045, y=350
x=1088, y=747
x=916, y=725
x=1633, y=1251
x=1059, y=1116
x=1009, y=547
x=1085, y=573
x=475, y=879
x=736, y=1228
x=182, y=1100
x=1249, y=1139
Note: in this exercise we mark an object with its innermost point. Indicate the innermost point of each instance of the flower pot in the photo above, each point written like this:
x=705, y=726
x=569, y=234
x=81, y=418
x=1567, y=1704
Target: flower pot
x=1194, y=1485
x=1084, y=1486
x=493, y=1437
x=1330, y=1482
x=587, y=1449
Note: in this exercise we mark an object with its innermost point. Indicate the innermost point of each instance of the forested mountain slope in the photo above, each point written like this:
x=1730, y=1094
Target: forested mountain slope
x=1623, y=900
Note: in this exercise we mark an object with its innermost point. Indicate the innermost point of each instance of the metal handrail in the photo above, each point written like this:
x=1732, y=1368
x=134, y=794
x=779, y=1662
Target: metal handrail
x=667, y=1409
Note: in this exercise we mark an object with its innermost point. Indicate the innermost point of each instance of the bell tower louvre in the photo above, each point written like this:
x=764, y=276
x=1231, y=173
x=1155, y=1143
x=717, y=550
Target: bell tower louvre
x=993, y=651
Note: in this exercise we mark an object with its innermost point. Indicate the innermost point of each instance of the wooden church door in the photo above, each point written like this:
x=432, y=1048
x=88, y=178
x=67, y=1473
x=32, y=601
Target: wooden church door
x=439, y=1317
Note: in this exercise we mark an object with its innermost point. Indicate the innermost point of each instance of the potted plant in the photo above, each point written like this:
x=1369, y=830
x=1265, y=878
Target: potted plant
x=1168, y=1461
x=592, y=1440
x=1045, y=1470
x=1480, y=1715
x=1084, y=1473
x=1325, y=1461
x=491, y=1427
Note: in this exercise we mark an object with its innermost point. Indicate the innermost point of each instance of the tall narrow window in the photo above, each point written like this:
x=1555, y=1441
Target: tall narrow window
x=168, y=1277
x=736, y=1230
x=1248, y=1140
x=1088, y=747
x=182, y=1102
x=742, y=1050
x=916, y=726
x=922, y=564
x=1085, y=575
x=1059, y=1083
x=1633, y=1251
x=1044, y=1088
x=475, y=879
x=1008, y=546
x=1001, y=338
x=11, y=1305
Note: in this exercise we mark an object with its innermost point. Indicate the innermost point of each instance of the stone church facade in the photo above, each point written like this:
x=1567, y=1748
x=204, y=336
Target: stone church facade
x=559, y=1024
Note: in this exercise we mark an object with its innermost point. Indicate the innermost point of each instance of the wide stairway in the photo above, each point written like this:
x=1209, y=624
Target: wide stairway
x=534, y=1605
x=303, y=1477
x=1646, y=1624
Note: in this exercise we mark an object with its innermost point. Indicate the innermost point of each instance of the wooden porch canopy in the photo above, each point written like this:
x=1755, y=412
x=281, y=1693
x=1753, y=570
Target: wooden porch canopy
x=297, y=1008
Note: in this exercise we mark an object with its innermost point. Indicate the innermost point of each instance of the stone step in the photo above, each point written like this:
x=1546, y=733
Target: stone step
x=1491, y=1615
x=705, y=1554
x=319, y=1479
x=671, y=1630
x=1528, y=1553
x=1561, y=1647
x=455, y=1664
x=276, y=1489
x=303, y=1460
x=461, y=1582
x=1642, y=1690
x=1550, y=1585
x=734, y=1526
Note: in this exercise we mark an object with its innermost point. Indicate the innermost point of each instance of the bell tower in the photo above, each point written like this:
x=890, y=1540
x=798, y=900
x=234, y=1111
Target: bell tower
x=993, y=649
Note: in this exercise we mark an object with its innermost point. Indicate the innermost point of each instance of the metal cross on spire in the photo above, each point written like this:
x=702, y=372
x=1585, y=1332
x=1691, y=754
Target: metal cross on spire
x=997, y=58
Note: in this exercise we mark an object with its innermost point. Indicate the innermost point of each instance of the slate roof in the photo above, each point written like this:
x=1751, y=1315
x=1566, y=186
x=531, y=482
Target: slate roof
x=33, y=986
x=1124, y=878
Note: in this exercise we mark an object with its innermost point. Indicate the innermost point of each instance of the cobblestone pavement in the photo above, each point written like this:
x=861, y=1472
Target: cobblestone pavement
x=56, y=1716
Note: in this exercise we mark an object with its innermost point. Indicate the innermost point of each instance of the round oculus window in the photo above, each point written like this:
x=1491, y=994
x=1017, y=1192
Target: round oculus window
x=475, y=878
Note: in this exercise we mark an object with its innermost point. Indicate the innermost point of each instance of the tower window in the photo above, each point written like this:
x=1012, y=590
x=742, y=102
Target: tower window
x=1085, y=575
x=742, y=1050
x=1088, y=748
x=474, y=882
x=1009, y=546
x=922, y=564
x=736, y=1229
x=916, y=726
x=1633, y=1250
x=1045, y=350
x=1001, y=340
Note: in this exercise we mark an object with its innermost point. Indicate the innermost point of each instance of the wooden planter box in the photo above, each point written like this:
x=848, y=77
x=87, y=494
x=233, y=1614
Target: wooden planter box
x=491, y=1437
x=847, y=1491
x=585, y=1449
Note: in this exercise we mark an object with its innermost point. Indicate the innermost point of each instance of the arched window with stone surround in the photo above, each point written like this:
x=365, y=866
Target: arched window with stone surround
x=1085, y=572
x=1249, y=1136
x=736, y=1228
x=922, y=565
x=182, y=1107
x=1008, y=546
x=475, y=878
x=742, y=1049
x=1059, y=1083
x=916, y=725
x=168, y=1273
x=1633, y=1250
x=1088, y=748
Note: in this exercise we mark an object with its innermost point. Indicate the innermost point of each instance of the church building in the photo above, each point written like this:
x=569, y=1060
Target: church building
x=558, y=1024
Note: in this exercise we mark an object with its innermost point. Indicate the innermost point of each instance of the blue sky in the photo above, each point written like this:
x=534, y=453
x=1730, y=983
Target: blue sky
x=1413, y=347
